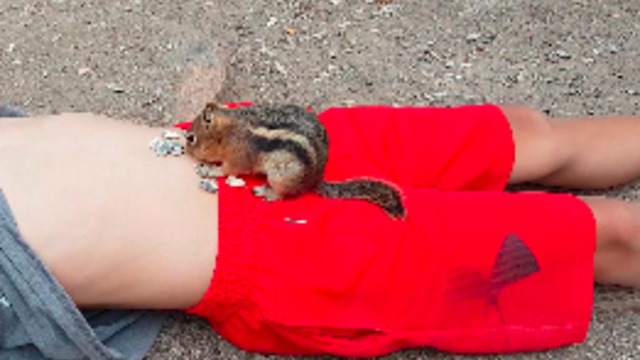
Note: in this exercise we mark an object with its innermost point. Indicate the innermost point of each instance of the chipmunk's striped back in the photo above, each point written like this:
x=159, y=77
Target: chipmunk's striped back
x=287, y=143
x=288, y=128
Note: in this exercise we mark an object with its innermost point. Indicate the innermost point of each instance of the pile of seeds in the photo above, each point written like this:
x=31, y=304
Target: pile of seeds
x=169, y=144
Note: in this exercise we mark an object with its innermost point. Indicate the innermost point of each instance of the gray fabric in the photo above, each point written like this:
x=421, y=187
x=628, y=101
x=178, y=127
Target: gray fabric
x=10, y=111
x=38, y=320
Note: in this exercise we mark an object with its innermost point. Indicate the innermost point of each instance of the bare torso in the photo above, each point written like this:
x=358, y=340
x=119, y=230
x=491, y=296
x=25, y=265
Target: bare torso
x=117, y=225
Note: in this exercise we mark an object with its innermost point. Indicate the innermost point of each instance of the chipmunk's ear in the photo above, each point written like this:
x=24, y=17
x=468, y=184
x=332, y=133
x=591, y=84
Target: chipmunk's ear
x=217, y=120
x=207, y=113
x=209, y=109
x=216, y=106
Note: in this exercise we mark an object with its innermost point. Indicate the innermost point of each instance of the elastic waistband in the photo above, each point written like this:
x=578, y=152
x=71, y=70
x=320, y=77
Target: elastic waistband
x=242, y=230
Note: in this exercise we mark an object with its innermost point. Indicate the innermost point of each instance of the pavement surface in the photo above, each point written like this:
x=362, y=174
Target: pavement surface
x=146, y=60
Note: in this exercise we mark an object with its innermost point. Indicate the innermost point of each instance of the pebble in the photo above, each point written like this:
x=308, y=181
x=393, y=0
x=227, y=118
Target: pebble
x=83, y=70
x=562, y=54
x=473, y=37
x=115, y=88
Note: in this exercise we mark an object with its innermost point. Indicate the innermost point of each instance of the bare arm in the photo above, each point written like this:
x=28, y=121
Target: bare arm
x=116, y=224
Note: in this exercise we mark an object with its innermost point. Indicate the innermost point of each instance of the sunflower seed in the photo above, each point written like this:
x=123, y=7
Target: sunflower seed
x=235, y=181
x=163, y=148
x=209, y=186
x=209, y=171
x=259, y=191
x=171, y=135
x=155, y=142
x=177, y=149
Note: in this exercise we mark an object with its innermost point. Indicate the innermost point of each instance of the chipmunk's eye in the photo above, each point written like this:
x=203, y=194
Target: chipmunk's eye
x=191, y=138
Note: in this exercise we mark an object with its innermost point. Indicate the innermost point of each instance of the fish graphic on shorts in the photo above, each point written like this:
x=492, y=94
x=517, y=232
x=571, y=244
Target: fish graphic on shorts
x=514, y=262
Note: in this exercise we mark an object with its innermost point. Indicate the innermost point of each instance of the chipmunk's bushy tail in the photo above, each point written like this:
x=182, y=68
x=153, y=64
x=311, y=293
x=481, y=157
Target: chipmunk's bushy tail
x=377, y=192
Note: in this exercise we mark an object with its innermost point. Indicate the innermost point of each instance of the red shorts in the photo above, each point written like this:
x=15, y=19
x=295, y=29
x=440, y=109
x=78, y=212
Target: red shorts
x=473, y=269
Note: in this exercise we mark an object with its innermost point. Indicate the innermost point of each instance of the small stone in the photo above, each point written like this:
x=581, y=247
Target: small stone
x=562, y=54
x=235, y=181
x=115, y=88
x=280, y=68
x=473, y=37
x=83, y=71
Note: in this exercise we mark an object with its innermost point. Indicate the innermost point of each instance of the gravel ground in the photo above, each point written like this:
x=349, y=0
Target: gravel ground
x=130, y=58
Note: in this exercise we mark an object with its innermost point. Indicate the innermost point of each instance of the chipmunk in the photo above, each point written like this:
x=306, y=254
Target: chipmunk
x=288, y=144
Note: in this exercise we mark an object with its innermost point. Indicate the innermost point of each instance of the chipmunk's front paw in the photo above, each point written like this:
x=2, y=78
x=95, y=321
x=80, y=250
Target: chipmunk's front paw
x=209, y=171
x=266, y=192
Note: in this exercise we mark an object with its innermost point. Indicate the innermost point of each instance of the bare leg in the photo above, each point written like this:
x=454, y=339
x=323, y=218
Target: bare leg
x=617, y=258
x=580, y=153
x=584, y=153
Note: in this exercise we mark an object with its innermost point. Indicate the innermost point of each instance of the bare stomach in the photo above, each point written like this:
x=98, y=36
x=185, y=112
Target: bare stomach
x=117, y=225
